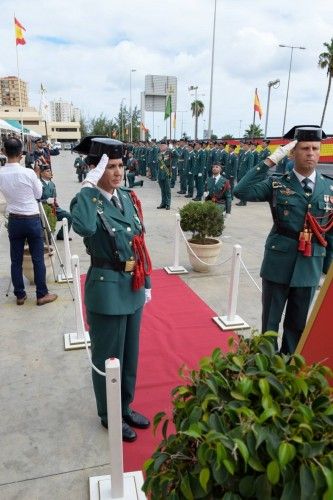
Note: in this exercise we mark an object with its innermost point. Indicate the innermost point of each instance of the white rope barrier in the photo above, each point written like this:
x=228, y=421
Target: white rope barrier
x=249, y=275
x=80, y=328
x=194, y=254
x=66, y=275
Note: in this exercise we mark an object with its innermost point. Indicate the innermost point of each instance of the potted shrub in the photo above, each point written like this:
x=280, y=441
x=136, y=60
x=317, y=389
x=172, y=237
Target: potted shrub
x=205, y=221
x=248, y=424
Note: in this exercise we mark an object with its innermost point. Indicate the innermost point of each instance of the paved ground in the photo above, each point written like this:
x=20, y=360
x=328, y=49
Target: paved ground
x=50, y=438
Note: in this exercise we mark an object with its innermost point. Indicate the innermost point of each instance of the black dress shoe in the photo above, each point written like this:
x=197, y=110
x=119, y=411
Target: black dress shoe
x=167, y=208
x=196, y=199
x=181, y=192
x=129, y=434
x=104, y=423
x=135, y=419
x=189, y=196
x=161, y=206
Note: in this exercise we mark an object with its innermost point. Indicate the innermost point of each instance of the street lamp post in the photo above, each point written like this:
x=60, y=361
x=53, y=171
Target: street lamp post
x=275, y=84
x=209, y=132
x=292, y=47
x=130, y=110
x=122, y=118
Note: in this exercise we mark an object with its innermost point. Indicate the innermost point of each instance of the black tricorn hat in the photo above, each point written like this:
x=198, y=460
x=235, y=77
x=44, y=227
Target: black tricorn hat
x=308, y=133
x=95, y=146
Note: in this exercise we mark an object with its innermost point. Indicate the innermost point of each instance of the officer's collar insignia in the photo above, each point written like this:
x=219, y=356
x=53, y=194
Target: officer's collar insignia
x=277, y=184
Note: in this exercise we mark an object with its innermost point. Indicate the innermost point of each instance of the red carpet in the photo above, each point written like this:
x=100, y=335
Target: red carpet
x=177, y=329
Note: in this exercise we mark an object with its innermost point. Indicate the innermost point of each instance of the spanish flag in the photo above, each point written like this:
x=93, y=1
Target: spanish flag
x=257, y=105
x=19, y=32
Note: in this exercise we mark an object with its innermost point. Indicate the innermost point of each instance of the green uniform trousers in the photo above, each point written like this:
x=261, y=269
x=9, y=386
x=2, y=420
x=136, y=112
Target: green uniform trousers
x=165, y=191
x=274, y=298
x=131, y=180
x=115, y=337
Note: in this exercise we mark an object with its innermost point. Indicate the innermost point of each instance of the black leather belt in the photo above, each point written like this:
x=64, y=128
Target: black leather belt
x=288, y=232
x=127, y=266
x=23, y=216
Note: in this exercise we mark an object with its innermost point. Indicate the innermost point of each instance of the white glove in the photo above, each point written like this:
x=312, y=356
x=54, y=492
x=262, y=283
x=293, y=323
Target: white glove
x=200, y=175
x=50, y=201
x=94, y=175
x=281, y=152
x=147, y=295
x=226, y=216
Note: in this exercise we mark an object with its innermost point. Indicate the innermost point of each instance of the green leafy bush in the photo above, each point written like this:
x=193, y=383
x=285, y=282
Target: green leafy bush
x=204, y=220
x=249, y=424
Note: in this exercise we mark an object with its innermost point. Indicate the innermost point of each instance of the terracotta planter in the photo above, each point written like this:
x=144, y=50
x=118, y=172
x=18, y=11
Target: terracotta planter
x=28, y=269
x=207, y=253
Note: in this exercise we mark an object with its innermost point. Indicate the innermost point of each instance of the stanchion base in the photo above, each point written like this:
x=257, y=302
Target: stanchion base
x=175, y=270
x=73, y=342
x=236, y=324
x=62, y=278
x=100, y=487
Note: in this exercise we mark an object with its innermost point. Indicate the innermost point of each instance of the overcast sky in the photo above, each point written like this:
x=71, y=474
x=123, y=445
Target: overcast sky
x=83, y=51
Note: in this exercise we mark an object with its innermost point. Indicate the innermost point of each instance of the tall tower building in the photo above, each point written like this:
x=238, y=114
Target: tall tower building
x=10, y=87
x=64, y=111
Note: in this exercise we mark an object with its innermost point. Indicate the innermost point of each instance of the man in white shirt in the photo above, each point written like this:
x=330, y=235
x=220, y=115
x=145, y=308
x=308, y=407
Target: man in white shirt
x=21, y=189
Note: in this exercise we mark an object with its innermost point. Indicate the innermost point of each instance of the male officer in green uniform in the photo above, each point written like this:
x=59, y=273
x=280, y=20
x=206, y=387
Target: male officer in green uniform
x=199, y=171
x=300, y=245
x=164, y=175
x=80, y=166
x=155, y=150
x=182, y=165
x=218, y=188
x=117, y=286
x=231, y=167
x=265, y=150
x=245, y=164
x=192, y=158
x=132, y=170
x=175, y=154
x=49, y=196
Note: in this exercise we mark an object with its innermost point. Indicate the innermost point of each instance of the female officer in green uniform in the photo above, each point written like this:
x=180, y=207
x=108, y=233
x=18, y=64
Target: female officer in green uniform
x=109, y=218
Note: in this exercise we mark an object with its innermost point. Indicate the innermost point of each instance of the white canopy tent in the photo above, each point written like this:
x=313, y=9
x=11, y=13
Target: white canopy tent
x=6, y=126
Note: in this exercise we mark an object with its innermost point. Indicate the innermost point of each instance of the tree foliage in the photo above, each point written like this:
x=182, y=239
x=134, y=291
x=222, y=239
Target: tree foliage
x=248, y=424
x=326, y=62
x=254, y=130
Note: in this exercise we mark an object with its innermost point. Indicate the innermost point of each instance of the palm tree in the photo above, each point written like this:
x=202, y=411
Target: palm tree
x=197, y=108
x=253, y=130
x=326, y=61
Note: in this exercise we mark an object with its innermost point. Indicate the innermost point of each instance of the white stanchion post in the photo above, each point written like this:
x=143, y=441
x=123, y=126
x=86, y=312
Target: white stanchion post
x=232, y=321
x=176, y=268
x=66, y=276
x=75, y=340
x=117, y=485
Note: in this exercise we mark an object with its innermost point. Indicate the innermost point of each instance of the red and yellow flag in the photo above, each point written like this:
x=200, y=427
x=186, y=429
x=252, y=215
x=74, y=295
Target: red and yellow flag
x=19, y=32
x=257, y=105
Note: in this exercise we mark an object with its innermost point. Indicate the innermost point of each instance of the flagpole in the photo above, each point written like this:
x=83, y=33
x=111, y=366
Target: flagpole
x=19, y=86
x=254, y=116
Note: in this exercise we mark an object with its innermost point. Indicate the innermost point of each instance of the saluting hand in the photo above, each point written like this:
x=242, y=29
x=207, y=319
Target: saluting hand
x=96, y=173
x=280, y=153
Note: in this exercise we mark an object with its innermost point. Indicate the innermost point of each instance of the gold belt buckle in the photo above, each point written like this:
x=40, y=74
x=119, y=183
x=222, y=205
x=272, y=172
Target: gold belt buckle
x=129, y=266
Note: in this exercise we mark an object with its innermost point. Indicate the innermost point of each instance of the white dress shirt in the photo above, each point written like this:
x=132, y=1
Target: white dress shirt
x=311, y=179
x=21, y=189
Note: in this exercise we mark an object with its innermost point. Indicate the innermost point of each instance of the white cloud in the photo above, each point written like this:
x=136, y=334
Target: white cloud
x=108, y=38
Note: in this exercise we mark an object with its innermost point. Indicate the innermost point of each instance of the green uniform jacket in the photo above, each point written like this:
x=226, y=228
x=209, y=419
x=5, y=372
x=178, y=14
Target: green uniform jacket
x=107, y=291
x=164, y=165
x=245, y=164
x=216, y=188
x=263, y=154
x=49, y=190
x=283, y=263
x=230, y=170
